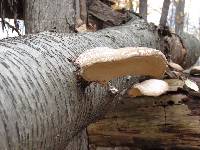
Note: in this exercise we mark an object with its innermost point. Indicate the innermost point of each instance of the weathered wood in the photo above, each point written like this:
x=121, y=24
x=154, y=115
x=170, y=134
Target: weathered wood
x=149, y=123
x=183, y=49
x=104, y=13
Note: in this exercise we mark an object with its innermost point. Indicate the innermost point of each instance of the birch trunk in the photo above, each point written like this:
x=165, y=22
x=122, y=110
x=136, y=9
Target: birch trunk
x=42, y=106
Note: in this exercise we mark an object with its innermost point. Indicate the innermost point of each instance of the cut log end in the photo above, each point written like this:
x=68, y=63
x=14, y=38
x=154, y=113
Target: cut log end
x=103, y=64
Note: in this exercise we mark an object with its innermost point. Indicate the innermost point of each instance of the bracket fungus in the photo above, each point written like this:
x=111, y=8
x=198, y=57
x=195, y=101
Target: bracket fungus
x=102, y=64
x=192, y=85
x=185, y=85
x=151, y=87
x=174, y=84
x=175, y=66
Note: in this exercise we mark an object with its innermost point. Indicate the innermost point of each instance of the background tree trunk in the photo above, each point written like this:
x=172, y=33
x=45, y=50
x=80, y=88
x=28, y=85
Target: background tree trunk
x=164, y=14
x=44, y=15
x=143, y=9
x=179, y=16
x=172, y=15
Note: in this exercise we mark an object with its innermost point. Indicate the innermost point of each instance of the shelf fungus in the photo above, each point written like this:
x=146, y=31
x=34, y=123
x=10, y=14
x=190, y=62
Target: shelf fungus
x=187, y=85
x=155, y=87
x=174, y=84
x=191, y=85
x=175, y=66
x=102, y=64
x=151, y=87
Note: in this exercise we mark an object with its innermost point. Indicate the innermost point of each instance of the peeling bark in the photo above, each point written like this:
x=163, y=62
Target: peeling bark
x=106, y=15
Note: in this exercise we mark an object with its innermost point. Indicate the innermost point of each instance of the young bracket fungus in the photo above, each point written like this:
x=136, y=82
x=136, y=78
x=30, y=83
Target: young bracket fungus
x=174, y=84
x=192, y=85
x=175, y=66
x=151, y=87
x=103, y=64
